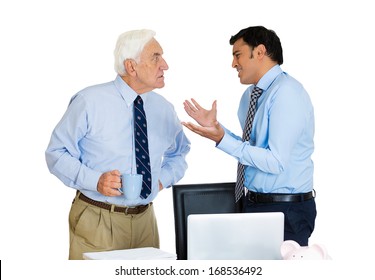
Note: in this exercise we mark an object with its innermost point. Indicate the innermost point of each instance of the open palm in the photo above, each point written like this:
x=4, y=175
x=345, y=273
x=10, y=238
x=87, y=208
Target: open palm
x=206, y=118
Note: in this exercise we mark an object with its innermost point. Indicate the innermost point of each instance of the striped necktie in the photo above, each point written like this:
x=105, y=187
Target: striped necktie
x=141, y=146
x=238, y=192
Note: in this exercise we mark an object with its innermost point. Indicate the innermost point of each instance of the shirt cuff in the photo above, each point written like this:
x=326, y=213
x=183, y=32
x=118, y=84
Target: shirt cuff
x=163, y=178
x=89, y=181
x=229, y=144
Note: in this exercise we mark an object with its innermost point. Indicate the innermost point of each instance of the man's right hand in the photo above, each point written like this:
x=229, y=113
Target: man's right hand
x=109, y=183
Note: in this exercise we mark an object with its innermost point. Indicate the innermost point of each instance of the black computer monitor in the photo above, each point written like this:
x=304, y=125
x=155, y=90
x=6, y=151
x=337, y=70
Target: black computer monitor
x=207, y=198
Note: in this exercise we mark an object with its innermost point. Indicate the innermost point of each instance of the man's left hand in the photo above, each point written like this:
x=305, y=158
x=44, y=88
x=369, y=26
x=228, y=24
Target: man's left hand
x=215, y=132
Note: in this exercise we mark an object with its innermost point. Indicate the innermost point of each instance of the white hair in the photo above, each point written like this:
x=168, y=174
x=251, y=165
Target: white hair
x=129, y=46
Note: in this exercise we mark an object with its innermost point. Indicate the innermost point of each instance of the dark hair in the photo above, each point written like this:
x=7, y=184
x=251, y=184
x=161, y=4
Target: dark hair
x=256, y=35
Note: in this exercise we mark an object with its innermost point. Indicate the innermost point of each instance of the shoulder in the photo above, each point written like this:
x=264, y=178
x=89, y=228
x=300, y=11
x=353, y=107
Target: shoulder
x=96, y=89
x=94, y=92
x=287, y=82
x=286, y=86
x=157, y=99
x=289, y=91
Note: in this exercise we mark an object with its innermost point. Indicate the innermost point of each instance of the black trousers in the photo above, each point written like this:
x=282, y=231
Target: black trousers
x=299, y=217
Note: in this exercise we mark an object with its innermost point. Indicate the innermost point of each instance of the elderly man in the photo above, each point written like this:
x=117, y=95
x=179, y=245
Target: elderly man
x=97, y=140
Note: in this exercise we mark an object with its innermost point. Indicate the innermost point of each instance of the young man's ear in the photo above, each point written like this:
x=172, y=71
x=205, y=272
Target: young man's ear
x=130, y=65
x=260, y=51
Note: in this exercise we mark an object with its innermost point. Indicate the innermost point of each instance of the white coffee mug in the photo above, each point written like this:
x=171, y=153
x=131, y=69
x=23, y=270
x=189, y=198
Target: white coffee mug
x=131, y=185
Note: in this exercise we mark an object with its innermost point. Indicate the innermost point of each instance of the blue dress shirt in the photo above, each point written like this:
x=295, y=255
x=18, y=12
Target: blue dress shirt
x=95, y=135
x=278, y=154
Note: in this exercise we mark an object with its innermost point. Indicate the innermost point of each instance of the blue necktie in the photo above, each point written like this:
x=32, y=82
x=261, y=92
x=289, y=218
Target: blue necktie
x=245, y=137
x=141, y=146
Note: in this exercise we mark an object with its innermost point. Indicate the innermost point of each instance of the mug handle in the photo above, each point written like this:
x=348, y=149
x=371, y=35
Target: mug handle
x=119, y=189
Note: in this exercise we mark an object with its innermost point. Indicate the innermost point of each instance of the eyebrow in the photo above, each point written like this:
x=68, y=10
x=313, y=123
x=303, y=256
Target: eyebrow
x=235, y=52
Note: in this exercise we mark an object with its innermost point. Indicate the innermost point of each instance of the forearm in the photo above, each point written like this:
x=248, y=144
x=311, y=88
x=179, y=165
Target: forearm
x=172, y=170
x=71, y=171
x=257, y=157
x=174, y=165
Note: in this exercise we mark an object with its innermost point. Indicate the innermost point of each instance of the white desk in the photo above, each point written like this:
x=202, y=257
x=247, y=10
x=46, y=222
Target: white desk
x=147, y=253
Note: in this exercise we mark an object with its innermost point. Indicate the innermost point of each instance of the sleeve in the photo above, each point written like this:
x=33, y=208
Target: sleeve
x=63, y=153
x=260, y=158
x=174, y=164
x=285, y=120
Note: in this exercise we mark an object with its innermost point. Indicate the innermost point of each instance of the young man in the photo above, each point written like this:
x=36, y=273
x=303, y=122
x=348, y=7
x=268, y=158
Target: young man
x=97, y=140
x=275, y=167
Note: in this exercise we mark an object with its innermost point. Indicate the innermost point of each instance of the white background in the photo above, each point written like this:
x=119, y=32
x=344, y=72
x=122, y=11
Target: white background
x=52, y=49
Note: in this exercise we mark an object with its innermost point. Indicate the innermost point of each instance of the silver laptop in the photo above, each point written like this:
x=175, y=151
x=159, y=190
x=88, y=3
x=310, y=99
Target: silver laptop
x=235, y=236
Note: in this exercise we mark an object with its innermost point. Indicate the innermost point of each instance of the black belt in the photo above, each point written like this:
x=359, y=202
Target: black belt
x=278, y=197
x=127, y=210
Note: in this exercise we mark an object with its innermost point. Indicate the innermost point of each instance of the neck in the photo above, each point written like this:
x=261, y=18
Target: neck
x=135, y=85
x=265, y=68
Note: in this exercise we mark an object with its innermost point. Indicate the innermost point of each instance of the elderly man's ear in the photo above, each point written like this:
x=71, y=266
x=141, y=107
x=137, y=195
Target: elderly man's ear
x=130, y=65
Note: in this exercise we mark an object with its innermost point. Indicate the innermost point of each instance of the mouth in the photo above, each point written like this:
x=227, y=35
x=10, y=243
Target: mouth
x=160, y=79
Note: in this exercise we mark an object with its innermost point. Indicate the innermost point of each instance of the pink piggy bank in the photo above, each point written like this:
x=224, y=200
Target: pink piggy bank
x=291, y=250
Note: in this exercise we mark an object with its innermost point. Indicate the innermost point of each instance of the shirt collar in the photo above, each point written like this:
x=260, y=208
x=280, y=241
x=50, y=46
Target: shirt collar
x=126, y=92
x=265, y=82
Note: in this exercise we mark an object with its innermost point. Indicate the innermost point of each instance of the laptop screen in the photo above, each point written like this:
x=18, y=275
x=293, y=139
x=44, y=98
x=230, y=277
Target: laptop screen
x=231, y=236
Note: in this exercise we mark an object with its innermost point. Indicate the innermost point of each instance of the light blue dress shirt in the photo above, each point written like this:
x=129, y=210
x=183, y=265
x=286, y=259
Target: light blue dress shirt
x=278, y=154
x=95, y=135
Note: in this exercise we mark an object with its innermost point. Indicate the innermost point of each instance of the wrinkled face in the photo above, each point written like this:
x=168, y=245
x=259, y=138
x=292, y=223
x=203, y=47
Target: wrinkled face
x=151, y=67
x=244, y=62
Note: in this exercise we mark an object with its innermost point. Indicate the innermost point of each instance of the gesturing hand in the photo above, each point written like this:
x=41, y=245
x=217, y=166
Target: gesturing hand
x=202, y=116
x=214, y=132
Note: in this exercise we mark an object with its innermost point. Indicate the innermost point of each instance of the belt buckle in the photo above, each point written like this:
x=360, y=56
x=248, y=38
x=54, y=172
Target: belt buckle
x=127, y=210
x=133, y=208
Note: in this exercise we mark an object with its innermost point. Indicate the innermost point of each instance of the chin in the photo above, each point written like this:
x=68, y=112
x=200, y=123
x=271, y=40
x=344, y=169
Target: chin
x=160, y=85
x=245, y=82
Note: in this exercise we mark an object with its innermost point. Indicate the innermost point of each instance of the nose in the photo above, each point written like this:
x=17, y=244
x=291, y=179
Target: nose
x=164, y=65
x=234, y=63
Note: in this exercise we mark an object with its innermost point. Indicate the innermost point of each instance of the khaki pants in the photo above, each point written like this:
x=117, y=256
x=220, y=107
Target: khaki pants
x=93, y=229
